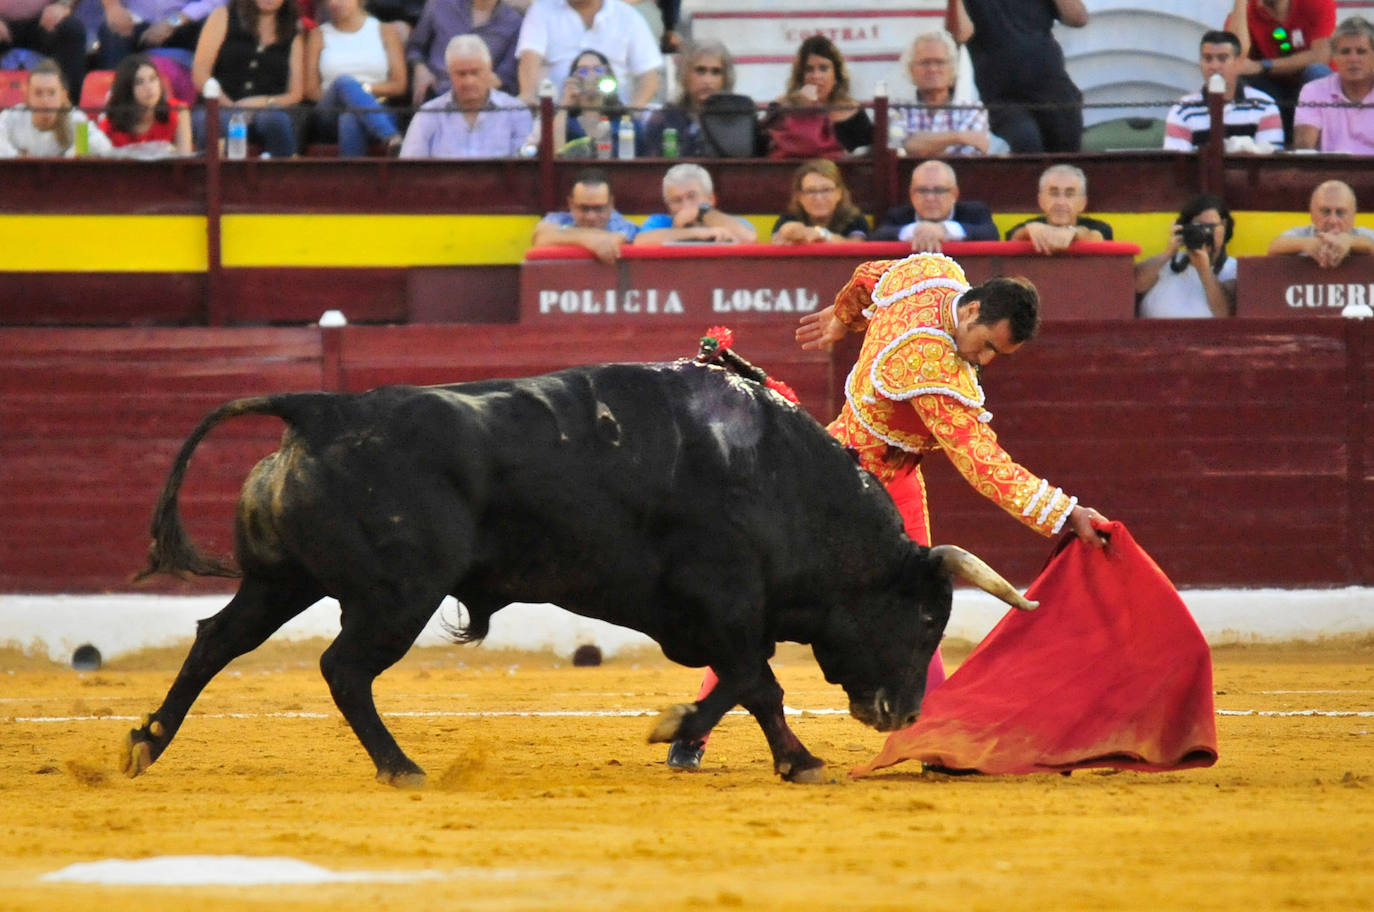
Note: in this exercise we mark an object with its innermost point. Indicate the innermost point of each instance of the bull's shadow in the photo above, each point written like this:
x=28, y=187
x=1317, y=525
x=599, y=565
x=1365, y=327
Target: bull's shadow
x=680, y=500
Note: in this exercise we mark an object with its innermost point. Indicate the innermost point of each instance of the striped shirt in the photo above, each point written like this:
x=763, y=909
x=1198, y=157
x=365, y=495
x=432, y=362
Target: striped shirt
x=1255, y=115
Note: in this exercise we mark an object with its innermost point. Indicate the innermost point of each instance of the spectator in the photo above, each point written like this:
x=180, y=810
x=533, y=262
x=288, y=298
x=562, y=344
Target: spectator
x=146, y=25
x=821, y=209
x=1341, y=129
x=1019, y=69
x=706, y=69
x=591, y=220
x=932, y=126
x=692, y=214
x=46, y=124
x=936, y=213
x=48, y=28
x=1063, y=197
x=1284, y=44
x=1193, y=277
x=1333, y=234
x=556, y=31
x=584, y=105
x=1189, y=123
x=495, y=22
x=472, y=119
x=138, y=118
x=352, y=63
x=254, y=50
x=820, y=78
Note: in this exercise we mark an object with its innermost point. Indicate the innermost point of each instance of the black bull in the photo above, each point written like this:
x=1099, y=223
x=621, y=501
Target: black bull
x=679, y=500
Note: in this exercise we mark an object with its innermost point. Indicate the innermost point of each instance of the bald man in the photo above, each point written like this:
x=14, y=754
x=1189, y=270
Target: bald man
x=1333, y=235
x=936, y=214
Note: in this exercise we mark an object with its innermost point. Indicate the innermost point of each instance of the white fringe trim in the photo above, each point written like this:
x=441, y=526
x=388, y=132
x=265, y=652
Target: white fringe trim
x=1073, y=502
x=1035, y=498
x=1049, y=505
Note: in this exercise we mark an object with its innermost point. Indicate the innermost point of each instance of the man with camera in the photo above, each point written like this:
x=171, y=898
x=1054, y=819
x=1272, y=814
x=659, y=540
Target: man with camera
x=1193, y=277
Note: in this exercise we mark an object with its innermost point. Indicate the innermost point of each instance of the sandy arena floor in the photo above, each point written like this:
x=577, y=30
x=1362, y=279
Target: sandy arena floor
x=543, y=795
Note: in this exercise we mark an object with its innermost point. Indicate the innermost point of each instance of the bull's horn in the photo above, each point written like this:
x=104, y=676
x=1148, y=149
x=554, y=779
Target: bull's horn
x=958, y=562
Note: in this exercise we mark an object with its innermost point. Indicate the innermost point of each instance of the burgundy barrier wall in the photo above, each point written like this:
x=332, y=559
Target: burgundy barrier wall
x=1237, y=451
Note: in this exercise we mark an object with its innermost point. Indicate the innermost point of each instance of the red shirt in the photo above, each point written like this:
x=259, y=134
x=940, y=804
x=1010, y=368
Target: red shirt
x=1307, y=21
x=158, y=132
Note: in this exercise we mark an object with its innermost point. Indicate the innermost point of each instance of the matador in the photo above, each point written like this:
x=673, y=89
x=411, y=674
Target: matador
x=914, y=389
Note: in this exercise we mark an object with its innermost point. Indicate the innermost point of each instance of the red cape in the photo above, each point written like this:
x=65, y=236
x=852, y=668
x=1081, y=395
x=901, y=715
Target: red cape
x=1110, y=671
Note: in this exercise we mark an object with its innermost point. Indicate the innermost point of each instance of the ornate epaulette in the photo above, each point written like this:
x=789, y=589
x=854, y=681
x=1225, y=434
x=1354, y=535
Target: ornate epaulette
x=924, y=360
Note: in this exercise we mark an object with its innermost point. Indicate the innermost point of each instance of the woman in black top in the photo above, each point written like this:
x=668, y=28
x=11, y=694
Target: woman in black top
x=255, y=51
x=821, y=209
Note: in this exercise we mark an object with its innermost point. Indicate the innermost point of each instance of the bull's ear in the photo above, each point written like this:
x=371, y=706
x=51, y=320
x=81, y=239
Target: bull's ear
x=955, y=561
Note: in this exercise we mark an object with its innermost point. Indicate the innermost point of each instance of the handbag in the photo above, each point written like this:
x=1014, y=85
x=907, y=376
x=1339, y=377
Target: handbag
x=728, y=126
x=802, y=133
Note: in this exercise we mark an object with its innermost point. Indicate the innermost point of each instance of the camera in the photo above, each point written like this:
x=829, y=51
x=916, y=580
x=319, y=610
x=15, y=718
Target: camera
x=1195, y=237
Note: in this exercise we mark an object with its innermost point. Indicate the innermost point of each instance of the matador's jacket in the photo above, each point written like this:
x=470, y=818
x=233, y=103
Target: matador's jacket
x=910, y=393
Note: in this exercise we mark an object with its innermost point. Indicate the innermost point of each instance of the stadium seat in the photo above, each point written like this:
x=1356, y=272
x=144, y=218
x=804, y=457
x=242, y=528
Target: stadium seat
x=1124, y=133
x=12, y=85
x=95, y=90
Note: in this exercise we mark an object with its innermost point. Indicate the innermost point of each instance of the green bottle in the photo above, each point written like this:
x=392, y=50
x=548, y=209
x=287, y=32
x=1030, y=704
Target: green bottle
x=670, y=143
x=83, y=137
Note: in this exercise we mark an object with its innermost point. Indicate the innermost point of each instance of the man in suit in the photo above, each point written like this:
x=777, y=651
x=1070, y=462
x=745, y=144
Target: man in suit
x=936, y=213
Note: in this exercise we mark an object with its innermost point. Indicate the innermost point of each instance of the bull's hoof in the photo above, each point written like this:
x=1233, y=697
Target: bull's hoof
x=669, y=721
x=407, y=779
x=141, y=747
x=686, y=755
x=804, y=775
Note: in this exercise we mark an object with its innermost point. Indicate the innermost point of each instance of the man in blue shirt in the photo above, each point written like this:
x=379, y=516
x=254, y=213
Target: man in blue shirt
x=692, y=215
x=591, y=220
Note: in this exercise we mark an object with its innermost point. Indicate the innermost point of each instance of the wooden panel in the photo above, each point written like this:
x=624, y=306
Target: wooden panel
x=103, y=298
x=301, y=295
x=1295, y=286
x=125, y=186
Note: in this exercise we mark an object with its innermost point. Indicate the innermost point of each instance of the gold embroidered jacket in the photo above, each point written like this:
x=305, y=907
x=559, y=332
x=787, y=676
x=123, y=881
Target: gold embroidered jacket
x=910, y=389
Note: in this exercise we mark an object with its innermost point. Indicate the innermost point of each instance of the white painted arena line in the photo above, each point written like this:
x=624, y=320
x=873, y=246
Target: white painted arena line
x=250, y=871
x=606, y=713
x=119, y=623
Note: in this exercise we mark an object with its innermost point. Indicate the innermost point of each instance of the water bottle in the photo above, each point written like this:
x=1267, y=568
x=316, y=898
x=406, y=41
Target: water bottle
x=83, y=138
x=603, y=138
x=670, y=143
x=236, y=145
x=896, y=137
x=625, y=140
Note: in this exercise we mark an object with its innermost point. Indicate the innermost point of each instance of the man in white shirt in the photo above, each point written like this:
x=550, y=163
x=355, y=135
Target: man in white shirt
x=556, y=31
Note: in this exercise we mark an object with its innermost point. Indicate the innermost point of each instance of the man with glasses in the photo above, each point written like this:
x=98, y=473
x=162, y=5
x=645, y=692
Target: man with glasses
x=1193, y=277
x=1247, y=111
x=591, y=220
x=1063, y=197
x=936, y=214
x=1324, y=119
x=1333, y=235
x=931, y=126
x=1284, y=45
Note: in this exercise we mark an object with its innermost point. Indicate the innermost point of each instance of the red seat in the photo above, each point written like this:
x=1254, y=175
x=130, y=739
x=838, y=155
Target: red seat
x=12, y=86
x=95, y=90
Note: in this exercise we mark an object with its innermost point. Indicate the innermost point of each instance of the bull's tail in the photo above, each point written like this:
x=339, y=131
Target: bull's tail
x=172, y=550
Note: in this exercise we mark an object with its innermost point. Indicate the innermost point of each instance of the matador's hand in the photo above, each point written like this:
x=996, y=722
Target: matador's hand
x=1082, y=521
x=820, y=329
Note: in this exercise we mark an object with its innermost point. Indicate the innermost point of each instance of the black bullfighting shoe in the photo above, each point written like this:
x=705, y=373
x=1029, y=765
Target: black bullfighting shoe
x=685, y=755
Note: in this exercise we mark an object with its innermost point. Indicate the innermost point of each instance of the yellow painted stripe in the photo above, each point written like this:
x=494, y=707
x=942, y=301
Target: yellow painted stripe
x=102, y=243
x=375, y=240
x=176, y=243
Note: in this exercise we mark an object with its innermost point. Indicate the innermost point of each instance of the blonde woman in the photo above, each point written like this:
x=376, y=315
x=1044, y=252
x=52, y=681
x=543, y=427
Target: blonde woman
x=821, y=208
